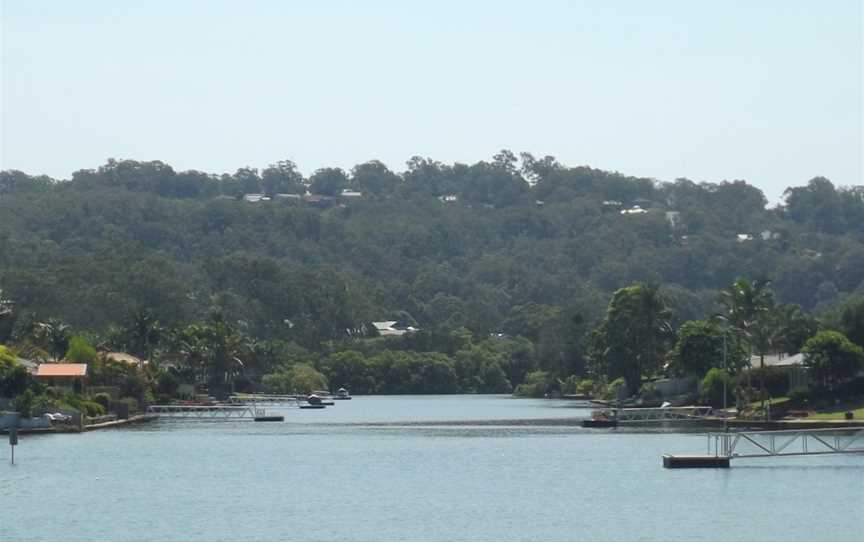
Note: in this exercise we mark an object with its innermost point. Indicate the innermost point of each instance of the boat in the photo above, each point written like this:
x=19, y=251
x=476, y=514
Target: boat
x=342, y=395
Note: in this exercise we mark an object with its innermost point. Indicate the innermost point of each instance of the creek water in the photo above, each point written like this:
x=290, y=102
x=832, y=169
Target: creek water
x=344, y=474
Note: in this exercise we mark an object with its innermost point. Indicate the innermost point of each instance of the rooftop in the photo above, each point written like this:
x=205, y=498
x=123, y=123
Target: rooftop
x=62, y=369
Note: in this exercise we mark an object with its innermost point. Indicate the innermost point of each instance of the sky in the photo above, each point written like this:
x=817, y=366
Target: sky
x=771, y=92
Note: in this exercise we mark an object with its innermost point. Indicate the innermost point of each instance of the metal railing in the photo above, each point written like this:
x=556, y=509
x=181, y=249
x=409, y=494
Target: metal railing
x=215, y=412
x=790, y=442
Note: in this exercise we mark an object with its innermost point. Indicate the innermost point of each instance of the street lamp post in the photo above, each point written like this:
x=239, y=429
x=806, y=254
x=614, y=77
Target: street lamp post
x=725, y=378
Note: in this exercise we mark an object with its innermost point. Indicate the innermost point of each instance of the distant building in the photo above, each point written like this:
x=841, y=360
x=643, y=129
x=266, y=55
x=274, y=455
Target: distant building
x=317, y=200
x=289, y=197
x=123, y=357
x=347, y=193
x=392, y=328
x=448, y=198
x=635, y=210
x=743, y=237
x=255, y=198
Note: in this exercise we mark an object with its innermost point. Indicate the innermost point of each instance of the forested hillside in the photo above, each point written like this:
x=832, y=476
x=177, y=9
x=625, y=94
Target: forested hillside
x=520, y=247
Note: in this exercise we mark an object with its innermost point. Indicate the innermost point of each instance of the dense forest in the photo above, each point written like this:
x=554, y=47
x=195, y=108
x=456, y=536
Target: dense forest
x=506, y=266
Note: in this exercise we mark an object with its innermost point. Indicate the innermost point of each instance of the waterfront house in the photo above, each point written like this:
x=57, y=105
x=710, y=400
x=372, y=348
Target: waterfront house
x=67, y=375
x=791, y=364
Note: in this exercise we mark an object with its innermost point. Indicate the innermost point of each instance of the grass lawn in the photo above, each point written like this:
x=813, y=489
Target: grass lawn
x=837, y=412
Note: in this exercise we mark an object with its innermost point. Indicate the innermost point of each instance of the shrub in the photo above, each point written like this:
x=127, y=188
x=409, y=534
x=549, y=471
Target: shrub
x=24, y=404
x=775, y=378
x=711, y=387
x=103, y=399
x=92, y=408
x=167, y=383
x=614, y=389
x=800, y=396
x=585, y=387
x=80, y=351
x=537, y=384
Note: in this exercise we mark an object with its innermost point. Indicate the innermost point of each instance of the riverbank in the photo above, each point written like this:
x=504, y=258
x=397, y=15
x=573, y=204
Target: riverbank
x=707, y=423
x=76, y=429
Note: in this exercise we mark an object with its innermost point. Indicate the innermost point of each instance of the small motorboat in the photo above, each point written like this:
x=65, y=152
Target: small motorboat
x=342, y=394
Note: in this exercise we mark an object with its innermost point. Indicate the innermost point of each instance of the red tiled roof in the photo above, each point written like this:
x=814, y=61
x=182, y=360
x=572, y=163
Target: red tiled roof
x=62, y=369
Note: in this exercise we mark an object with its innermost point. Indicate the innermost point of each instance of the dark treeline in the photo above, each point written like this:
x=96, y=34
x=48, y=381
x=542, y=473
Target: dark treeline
x=505, y=266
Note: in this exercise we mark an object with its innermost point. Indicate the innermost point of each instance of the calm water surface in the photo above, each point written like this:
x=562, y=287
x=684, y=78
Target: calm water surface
x=323, y=475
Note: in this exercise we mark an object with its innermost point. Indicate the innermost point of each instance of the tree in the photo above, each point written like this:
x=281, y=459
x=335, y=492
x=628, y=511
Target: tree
x=53, y=335
x=374, y=178
x=142, y=332
x=299, y=378
x=700, y=347
x=7, y=316
x=748, y=309
x=632, y=339
x=793, y=328
x=247, y=180
x=80, y=351
x=283, y=177
x=852, y=320
x=328, y=181
x=832, y=357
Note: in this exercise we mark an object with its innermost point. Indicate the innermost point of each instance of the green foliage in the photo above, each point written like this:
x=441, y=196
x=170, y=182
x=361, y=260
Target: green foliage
x=299, y=378
x=800, y=396
x=328, y=181
x=775, y=380
x=7, y=358
x=832, y=358
x=103, y=399
x=614, y=390
x=14, y=378
x=852, y=320
x=700, y=346
x=141, y=253
x=80, y=351
x=711, y=388
x=537, y=384
x=632, y=339
x=24, y=403
x=91, y=408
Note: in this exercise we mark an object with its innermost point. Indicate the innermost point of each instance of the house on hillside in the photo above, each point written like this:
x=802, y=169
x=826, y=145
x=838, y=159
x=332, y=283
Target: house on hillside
x=635, y=210
x=392, y=328
x=255, y=198
x=123, y=357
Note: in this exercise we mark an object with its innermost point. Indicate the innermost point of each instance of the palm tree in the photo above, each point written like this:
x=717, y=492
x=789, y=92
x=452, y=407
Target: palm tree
x=53, y=335
x=142, y=332
x=749, y=310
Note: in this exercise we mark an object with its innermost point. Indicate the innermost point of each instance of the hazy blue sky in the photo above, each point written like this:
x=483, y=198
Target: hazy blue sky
x=767, y=91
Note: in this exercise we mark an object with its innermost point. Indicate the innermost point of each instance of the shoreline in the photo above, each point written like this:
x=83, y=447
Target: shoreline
x=139, y=418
